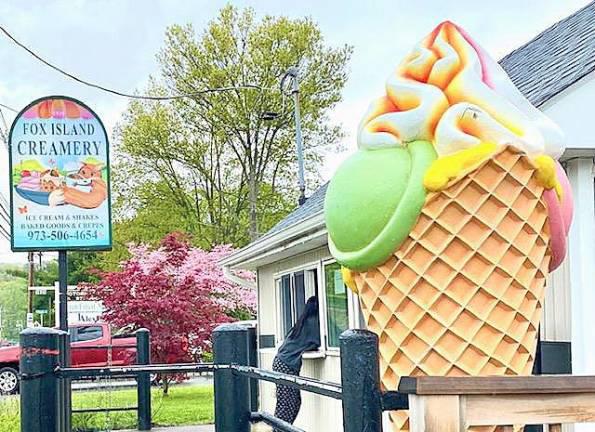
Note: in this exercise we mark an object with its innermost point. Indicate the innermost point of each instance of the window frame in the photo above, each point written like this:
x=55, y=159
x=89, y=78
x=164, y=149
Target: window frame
x=277, y=277
x=353, y=306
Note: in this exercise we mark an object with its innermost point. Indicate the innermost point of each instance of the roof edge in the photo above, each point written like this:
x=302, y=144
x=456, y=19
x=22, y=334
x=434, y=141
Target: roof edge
x=270, y=242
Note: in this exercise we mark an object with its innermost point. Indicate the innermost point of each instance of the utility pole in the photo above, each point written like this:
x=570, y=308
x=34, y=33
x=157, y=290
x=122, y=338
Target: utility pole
x=293, y=73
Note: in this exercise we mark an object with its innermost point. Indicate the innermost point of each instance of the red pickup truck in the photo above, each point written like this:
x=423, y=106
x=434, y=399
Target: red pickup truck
x=91, y=344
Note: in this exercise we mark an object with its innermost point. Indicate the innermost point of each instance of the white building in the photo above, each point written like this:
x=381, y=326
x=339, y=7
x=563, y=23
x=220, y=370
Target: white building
x=556, y=72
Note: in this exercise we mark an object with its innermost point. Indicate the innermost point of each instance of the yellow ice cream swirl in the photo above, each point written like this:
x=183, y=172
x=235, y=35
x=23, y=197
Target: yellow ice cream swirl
x=449, y=92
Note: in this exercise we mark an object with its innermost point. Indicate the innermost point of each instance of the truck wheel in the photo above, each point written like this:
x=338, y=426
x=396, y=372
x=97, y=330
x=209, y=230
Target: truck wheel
x=9, y=380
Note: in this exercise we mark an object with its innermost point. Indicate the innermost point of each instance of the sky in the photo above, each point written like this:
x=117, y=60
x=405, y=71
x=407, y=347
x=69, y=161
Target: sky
x=114, y=43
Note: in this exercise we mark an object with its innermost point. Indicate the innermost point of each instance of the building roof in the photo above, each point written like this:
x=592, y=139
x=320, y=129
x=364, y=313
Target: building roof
x=556, y=58
x=542, y=68
x=312, y=206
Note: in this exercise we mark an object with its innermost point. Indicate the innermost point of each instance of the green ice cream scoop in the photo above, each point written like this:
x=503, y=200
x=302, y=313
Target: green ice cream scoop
x=373, y=202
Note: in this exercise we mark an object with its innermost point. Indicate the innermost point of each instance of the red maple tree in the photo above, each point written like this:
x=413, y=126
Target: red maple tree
x=176, y=291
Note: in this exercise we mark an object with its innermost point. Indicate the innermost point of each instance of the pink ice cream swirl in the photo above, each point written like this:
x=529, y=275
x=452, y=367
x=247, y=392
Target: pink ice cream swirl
x=560, y=211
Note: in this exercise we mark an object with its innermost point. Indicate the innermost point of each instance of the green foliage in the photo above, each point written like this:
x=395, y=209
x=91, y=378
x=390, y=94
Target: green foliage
x=210, y=164
x=13, y=290
x=79, y=266
x=13, y=301
x=10, y=414
x=185, y=405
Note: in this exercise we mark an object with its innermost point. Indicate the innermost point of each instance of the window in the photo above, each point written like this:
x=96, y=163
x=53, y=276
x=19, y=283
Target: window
x=87, y=333
x=294, y=289
x=337, y=317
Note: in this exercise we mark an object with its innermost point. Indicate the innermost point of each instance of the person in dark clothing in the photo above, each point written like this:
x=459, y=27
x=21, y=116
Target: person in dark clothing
x=303, y=336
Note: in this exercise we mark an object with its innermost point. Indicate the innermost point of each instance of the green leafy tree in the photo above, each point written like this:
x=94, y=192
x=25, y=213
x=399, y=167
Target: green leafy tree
x=13, y=304
x=212, y=164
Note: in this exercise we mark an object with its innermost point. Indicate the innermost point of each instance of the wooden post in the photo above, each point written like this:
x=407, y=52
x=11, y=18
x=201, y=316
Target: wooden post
x=143, y=357
x=39, y=398
x=436, y=414
x=232, y=391
x=360, y=379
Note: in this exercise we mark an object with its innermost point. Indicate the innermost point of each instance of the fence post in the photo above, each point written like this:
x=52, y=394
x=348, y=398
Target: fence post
x=64, y=387
x=39, y=383
x=253, y=358
x=143, y=388
x=232, y=391
x=360, y=379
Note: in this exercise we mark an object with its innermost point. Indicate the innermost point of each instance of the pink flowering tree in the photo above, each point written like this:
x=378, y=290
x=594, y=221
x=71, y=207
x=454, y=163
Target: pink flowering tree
x=178, y=292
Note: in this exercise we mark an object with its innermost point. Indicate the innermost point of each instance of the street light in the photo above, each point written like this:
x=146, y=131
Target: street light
x=293, y=74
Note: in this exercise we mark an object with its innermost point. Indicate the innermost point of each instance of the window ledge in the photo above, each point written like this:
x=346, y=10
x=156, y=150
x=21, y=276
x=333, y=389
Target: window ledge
x=314, y=355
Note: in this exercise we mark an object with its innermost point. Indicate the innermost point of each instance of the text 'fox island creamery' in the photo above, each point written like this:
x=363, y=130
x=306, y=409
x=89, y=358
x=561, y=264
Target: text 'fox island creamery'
x=59, y=177
x=450, y=215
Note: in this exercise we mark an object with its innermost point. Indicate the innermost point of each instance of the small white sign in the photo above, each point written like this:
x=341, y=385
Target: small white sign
x=29, y=320
x=339, y=285
x=84, y=311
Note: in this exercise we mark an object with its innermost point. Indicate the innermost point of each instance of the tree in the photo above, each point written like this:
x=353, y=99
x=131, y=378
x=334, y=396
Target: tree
x=13, y=303
x=212, y=161
x=176, y=291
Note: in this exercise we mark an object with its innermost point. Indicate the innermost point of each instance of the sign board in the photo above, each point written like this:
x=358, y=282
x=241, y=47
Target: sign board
x=29, y=320
x=59, y=178
x=84, y=311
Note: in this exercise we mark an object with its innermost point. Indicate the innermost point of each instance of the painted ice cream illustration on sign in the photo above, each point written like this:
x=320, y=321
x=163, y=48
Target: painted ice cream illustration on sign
x=59, y=177
x=450, y=216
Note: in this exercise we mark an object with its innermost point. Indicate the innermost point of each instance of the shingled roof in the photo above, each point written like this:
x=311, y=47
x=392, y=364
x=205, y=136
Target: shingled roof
x=555, y=59
x=543, y=67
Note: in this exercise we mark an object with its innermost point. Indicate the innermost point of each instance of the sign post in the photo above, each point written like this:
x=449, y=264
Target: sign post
x=59, y=183
x=59, y=190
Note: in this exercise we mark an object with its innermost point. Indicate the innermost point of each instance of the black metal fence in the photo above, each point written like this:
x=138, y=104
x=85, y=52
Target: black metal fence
x=43, y=370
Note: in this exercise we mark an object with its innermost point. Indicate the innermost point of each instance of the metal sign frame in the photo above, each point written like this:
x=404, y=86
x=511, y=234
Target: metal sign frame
x=105, y=247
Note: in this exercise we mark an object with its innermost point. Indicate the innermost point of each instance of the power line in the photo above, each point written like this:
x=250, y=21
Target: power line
x=4, y=233
x=4, y=213
x=3, y=203
x=119, y=93
x=9, y=108
x=5, y=217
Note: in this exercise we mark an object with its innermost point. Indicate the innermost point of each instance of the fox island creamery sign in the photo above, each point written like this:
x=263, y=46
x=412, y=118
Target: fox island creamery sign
x=59, y=178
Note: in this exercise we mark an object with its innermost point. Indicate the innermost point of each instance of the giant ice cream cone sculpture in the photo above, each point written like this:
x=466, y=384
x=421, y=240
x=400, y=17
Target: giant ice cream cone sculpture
x=450, y=216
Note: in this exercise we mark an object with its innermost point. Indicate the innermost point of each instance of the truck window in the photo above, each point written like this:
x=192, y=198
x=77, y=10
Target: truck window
x=88, y=333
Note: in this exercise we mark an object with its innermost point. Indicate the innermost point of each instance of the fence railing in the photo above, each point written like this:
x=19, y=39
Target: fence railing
x=436, y=404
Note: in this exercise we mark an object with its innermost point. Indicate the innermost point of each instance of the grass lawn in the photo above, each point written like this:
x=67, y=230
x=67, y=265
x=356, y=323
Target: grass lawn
x=185, y=405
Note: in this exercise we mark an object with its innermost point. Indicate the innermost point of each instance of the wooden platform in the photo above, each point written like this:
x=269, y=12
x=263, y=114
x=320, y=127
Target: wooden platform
x=452, y=404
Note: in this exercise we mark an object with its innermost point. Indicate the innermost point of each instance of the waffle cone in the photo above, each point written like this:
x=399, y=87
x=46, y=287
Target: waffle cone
x=463, y=294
